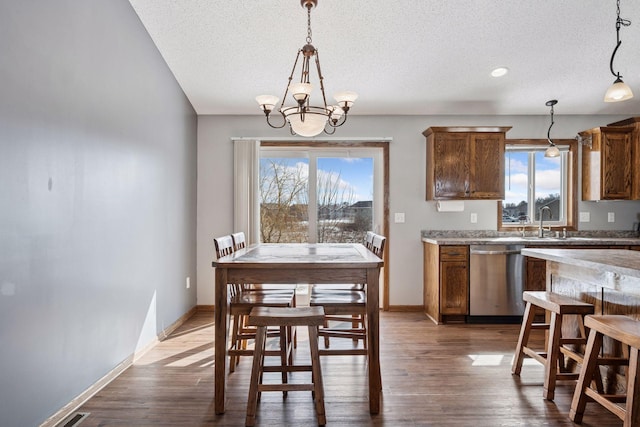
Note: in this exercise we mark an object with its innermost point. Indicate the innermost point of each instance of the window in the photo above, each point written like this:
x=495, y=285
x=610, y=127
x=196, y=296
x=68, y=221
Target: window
x=319, y=195
x=534, y=182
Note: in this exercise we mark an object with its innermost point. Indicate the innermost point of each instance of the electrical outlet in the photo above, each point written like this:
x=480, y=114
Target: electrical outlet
x=585, y=217
x=399, y=218
x=611, y=217
x=474, y=218
x=188, y=282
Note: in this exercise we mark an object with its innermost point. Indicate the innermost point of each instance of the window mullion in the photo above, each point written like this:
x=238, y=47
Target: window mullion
x=531, y=191
x=313, y=197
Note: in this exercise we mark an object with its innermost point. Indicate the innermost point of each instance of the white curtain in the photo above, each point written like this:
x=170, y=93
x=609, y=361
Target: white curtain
x=246, y=203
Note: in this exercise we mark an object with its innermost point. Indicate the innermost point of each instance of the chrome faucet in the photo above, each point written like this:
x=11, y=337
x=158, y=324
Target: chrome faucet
x=541, y=214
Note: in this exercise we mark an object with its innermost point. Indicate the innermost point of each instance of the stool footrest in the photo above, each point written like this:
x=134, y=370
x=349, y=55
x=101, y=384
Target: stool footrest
x=540, y=326
x=343, y=352
x=578, y=357
x=288, y=368
x=575, y=341
x=606, y=402
x=539, y=356
x=613, y=361
x=285, y=387
x=566, y=376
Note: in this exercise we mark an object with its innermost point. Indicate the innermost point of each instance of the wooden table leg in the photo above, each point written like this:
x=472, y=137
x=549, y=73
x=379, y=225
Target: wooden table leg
x=221, y=333
x=373, y=325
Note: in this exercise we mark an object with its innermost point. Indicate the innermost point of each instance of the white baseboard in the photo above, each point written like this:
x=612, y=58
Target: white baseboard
x=68, y=409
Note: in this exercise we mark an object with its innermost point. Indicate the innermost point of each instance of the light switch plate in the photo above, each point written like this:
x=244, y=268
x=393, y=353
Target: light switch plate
x=585, y=217
x=474, y=218
x=399, y=218
x=611, y=217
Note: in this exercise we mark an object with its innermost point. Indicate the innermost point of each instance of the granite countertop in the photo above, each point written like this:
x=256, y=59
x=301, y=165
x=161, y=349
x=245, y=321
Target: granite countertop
x=475, y=237
x=615, y=261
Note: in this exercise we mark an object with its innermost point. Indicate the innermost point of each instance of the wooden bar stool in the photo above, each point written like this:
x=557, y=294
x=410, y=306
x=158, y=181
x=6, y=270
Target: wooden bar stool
x=553, y=359
x=285, y=318
x=626, y=331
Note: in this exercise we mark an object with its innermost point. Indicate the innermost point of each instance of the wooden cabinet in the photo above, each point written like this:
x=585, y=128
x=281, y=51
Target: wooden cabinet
x=607, y=163
x=536, y=274
x=633, y=122
x=454, y=280
x=446, y=282
x=465, y=163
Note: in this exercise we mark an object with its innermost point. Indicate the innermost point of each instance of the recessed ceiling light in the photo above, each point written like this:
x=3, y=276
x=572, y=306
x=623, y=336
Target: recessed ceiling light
x=499, y=72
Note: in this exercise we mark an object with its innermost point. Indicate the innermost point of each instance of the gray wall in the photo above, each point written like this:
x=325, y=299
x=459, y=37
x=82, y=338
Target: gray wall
x=97, y=199
x=406, y=186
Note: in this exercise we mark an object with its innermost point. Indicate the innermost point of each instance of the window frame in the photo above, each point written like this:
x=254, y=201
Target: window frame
x=313, y=154
x=570, y=183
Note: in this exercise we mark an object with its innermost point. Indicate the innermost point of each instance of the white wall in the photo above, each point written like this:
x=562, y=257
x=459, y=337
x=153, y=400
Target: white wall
x=97, y=199
x=407, y=185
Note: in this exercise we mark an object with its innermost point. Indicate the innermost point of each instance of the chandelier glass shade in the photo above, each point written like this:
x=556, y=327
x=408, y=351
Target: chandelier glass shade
x=303, y=118
x=619, y=90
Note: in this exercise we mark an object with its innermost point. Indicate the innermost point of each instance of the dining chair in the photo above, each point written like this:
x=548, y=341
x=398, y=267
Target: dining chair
x=346, y=305
x=240, y=242
x=241, y=302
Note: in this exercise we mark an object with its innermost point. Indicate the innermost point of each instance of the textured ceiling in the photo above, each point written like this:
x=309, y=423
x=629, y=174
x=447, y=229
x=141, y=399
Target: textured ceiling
x=402, y=56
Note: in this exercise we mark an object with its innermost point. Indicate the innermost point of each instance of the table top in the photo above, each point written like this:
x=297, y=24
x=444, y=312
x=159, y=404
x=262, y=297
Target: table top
x=619, y=261
x=315, y=255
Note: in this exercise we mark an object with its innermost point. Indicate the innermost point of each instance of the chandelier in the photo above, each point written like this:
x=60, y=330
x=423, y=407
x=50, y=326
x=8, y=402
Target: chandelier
x=619, y=90
x=305, y=119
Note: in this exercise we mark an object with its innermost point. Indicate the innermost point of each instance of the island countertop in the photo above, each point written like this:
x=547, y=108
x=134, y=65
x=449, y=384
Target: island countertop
x=617, y=261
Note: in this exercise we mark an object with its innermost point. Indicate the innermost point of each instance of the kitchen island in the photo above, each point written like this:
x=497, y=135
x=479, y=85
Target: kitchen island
x=607, y=278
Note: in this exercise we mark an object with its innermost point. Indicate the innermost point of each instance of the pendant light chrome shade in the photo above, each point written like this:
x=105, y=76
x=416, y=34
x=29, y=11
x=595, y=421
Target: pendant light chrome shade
x=619, y=90
x=552, y=150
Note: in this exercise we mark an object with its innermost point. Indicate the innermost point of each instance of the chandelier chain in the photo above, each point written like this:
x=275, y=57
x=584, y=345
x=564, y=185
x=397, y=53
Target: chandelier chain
x=308, y=25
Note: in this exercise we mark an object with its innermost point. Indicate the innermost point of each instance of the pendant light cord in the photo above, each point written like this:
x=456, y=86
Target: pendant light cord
x=619, y=23
x=550, y=126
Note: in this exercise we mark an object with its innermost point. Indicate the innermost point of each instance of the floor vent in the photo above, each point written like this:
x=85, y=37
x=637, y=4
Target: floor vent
x=75, y=419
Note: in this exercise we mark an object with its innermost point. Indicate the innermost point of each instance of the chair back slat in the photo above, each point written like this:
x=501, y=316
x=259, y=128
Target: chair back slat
x=368, y=239
x=239, y=242
x=377, y=246
x=224, y=246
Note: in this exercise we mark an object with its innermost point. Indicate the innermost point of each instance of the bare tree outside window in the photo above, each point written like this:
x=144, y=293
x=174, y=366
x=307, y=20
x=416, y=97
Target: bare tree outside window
x=283, y=201
x=284, y=196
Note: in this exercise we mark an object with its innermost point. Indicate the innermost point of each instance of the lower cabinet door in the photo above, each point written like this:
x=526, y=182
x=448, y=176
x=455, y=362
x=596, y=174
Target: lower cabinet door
x=454, y=291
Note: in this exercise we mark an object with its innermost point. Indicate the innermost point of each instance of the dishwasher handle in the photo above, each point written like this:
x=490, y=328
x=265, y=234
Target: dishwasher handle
x=500, y=252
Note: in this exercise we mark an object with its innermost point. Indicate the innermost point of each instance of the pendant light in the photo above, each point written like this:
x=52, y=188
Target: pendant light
x=619, y=90
x=552, y=150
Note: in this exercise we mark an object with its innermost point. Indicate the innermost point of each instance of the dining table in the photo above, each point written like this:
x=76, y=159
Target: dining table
x=299, y=263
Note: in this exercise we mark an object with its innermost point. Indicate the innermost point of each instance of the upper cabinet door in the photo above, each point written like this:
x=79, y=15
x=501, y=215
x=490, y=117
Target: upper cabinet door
x=451, y=166
x=607, y=163
x=465, y=163
x=487, y=166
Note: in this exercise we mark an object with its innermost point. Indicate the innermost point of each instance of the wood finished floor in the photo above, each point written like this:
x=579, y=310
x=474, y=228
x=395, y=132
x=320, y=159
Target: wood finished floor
x=451, y=375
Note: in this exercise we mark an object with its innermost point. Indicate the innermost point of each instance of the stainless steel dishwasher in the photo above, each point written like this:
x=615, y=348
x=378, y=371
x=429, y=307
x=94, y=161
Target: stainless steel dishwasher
x=496, y=274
